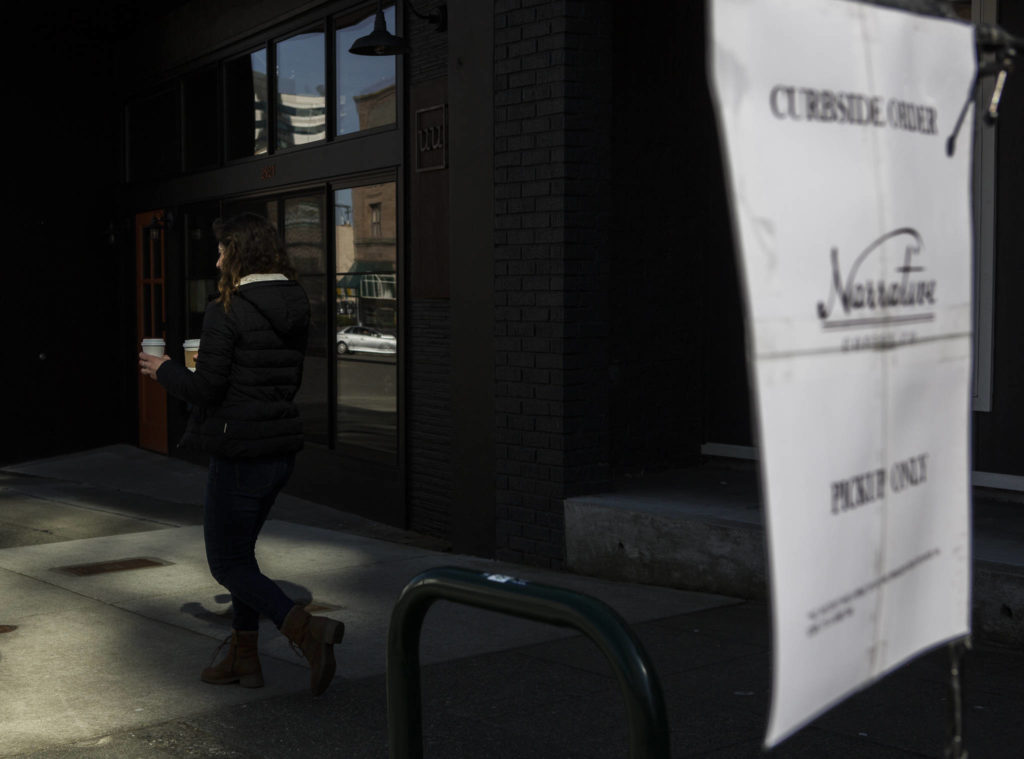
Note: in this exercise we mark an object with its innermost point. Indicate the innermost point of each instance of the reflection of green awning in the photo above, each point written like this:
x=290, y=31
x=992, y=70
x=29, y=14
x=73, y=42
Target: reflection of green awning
x=372, y=279
x=352, y=278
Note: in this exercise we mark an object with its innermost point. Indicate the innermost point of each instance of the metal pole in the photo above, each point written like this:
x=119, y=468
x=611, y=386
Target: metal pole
x=955, y=749
x=645, y=706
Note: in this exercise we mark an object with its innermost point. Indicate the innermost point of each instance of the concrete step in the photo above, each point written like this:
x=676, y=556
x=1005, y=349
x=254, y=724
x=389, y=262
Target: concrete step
x=702, y=529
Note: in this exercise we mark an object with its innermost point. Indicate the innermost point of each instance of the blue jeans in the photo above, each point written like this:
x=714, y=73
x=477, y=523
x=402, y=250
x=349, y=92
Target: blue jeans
x=239, y=494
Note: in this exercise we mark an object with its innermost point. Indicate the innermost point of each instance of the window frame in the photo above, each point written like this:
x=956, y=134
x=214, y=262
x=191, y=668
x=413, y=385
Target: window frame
x=340, y=20
x=322, y=28
x=351, y=181
x=325, y=20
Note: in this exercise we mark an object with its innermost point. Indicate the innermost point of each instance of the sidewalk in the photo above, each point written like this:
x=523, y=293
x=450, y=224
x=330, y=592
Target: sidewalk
x=106, y=664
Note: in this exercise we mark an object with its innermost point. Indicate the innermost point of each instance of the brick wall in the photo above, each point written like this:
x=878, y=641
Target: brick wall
x=428, y=48
x=428, y=407
x=428, y=417
x=551, y=163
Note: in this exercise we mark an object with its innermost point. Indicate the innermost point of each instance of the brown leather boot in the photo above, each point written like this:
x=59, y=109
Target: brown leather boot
x=241, y=664
x=315, y=637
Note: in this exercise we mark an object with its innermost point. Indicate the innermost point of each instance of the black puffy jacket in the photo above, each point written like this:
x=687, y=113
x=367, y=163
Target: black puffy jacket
x=248, y=370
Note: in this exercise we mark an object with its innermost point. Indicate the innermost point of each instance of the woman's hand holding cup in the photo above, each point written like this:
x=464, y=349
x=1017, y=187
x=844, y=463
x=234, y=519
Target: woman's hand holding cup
x=152, y=356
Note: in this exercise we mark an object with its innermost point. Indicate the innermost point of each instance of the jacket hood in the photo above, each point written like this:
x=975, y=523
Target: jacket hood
x=283, y=303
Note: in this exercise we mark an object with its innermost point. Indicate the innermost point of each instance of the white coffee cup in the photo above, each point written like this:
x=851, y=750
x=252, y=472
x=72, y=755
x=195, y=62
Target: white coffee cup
x=154, y=346
x=191, y=353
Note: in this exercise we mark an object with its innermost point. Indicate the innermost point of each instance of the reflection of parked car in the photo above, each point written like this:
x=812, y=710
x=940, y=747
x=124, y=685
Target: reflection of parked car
x=365, y=340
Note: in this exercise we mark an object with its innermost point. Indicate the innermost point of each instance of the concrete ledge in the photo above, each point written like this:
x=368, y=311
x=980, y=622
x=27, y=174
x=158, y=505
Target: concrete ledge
x=663, y=547
x=997, y=608
x=695, y=538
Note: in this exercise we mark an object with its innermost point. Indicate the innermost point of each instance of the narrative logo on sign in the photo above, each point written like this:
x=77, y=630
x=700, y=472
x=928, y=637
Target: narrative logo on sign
x=856, y=299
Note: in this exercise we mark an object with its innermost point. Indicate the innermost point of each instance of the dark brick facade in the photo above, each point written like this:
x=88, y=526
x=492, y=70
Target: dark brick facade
x=428, y=408
x=428, y=417
x=428, y=48
x=552, y=142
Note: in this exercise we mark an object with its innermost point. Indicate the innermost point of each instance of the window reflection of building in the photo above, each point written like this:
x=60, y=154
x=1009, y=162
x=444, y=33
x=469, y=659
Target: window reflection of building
x=366, y=226
x=375, y=219
x=245, y=84
x=344, y=259
x=303, y=237
x=365, y=94
x=369, y=284
x=301, y=119
x=301, y=92
x=259, y=118
x=376, y=108
x=365, y=255
x=379, y=286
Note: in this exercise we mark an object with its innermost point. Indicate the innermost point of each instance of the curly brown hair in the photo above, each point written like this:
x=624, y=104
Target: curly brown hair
x=251, y=245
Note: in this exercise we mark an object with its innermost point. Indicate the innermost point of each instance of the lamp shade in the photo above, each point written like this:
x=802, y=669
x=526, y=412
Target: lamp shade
x=380, y=41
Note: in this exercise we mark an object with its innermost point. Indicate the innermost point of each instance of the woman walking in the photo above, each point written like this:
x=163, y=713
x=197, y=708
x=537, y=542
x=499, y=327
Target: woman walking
x=244, y=416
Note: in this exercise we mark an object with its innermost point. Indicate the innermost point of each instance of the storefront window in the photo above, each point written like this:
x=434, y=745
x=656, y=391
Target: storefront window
x=301, y=91
x=245, y=84
x=366, y=304
x=303, y=235
x=266, y=207
x=200, y=265
x=363, y=345
x=366, y=84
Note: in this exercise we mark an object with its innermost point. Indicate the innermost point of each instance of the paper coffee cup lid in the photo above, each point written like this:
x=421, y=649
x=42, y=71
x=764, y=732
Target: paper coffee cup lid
x=153, y=341
x=190, y=344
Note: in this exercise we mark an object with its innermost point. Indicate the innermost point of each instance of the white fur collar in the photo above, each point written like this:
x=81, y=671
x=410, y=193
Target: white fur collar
x=248, y=278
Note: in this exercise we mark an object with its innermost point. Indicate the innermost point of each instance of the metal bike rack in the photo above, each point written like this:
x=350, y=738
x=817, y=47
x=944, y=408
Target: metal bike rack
x=645, y=705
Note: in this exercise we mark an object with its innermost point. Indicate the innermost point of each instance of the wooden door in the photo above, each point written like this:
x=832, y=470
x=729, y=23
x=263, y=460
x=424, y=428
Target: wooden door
x=151, y=306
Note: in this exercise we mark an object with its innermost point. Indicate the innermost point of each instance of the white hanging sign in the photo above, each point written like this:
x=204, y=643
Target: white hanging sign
x=854, y=238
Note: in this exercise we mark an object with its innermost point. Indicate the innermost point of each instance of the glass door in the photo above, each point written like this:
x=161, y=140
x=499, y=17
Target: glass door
x=200, y=265
x=366, y=312
x=349, y=394
x=151, y=322
x=300, y=221
x=304, y=233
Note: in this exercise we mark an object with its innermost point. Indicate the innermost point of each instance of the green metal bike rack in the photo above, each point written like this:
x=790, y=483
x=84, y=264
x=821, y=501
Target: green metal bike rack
x=645, y=705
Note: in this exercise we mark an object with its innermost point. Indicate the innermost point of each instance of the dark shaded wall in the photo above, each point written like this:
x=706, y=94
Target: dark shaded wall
x=552, y=140
x=675, y=321
x=428, y=329
x=69, y=273
x=64, y=284
x=999, y=434
x=471, y=133
x=618, y=321
x=428, y=416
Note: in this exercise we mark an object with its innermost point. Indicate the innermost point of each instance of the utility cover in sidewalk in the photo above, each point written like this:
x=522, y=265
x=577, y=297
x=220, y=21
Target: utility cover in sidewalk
x=117, y=565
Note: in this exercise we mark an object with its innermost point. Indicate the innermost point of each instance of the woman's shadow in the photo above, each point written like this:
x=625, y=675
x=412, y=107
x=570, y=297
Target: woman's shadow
x=222, y=614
